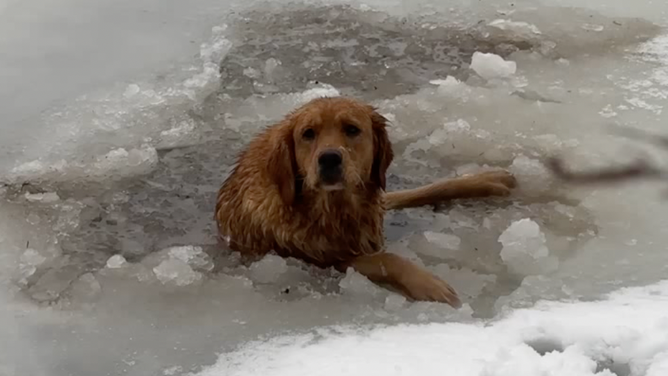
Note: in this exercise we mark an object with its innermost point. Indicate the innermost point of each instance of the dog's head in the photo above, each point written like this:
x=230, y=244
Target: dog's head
x=333, y=144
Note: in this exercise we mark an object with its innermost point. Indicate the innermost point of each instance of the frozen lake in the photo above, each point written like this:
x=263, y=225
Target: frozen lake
x=121, y=119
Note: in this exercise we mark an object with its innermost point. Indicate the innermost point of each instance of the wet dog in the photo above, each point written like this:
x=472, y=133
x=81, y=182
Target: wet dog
x=312, y=187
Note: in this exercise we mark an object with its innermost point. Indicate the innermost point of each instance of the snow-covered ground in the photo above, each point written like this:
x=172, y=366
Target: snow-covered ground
x=622, y=335
x=121, y=119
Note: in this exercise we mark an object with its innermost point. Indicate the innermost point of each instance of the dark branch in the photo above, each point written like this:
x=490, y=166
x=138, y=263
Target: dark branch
x=638, y=170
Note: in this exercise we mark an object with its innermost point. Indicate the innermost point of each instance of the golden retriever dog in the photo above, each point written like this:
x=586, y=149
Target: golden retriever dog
x=312, y=187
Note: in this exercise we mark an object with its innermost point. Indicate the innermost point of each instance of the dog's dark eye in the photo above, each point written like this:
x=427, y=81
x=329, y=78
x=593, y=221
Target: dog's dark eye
x=351, y=130
x=308, y=134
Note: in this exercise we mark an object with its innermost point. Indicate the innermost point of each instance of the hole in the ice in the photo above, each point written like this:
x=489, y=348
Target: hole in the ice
x=619, y=369
x=545, y=346
x=172, y=205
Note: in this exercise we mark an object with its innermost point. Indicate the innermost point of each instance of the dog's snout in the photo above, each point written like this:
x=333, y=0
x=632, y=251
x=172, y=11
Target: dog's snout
x=330, y=159
x=330, y=163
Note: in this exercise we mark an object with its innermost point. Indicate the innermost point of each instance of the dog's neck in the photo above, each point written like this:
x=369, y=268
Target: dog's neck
x=345, y=202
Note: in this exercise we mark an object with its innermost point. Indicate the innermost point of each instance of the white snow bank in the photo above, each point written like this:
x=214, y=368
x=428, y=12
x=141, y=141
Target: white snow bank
x=627, y=333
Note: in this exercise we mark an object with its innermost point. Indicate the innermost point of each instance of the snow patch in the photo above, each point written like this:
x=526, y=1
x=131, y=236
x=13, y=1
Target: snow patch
x=629, y=328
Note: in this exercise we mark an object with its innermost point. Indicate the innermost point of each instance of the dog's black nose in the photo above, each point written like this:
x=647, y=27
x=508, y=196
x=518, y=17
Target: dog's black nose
x=330, y=159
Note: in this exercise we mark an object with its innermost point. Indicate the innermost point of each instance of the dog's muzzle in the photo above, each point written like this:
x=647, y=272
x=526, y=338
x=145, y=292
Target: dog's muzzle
x=330, y=167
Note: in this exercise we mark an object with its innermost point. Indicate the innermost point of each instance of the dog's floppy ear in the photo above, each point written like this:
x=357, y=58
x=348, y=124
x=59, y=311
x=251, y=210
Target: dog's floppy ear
x=382, y=148
x=281, y=166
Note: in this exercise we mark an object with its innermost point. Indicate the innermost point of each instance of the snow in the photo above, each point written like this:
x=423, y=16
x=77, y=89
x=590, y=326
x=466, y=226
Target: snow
x=627, y=333
x=121, y=119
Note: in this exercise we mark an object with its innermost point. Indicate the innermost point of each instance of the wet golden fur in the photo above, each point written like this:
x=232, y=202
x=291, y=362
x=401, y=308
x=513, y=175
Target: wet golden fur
x=276, y=198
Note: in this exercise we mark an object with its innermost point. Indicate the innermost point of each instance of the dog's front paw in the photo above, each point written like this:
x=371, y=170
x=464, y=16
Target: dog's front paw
x=424, y=286
x=492, y=183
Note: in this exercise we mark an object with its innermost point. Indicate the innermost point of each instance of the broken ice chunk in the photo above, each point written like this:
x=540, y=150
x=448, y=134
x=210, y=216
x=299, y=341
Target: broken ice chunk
x=394, y=302
x=116, y=262
x=53, y=283
x=592, y=27
x=118, y=266
x=447, y=241
x=449, y=81
x=533, y=177
x=469, y=168
x=25, y=272
x=403, y=248
x=465, y=281
x=47, y=197
x=171, y=371
x=176, y=272
x=269, y=269
x=524, y=250
x=181, y=134
x=131, y=90
x=31, y=260
x=32, y=257
x=440, y=136
x=435, y=245
x=193, y=256
x=460, y=218
x=519, y=29
x=358, y=285
x=451, y=87
x=251, y=72
x=458, y=126
x=524, y=296
x=270, y=68
x=86, y=288
x=489, y=66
